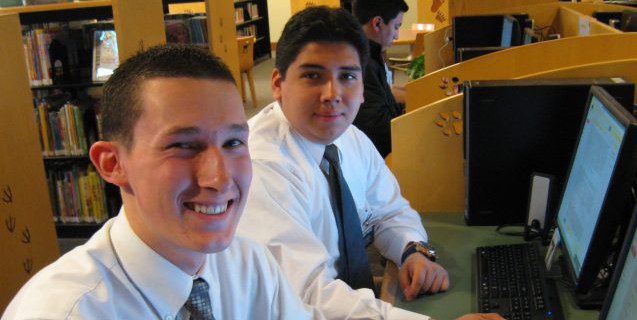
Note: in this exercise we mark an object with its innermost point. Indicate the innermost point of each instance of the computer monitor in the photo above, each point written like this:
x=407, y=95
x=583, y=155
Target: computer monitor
x=621, y=300
x=514, y=128
x=483, y=31
x=510, y=35
x=530, y=36
x=606, y=16
x=628, y=21
x=597, y=197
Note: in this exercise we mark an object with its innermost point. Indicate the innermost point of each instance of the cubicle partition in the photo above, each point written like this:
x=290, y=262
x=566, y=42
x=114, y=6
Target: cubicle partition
x=519, y=61
x=427, y=142
x=549, y=18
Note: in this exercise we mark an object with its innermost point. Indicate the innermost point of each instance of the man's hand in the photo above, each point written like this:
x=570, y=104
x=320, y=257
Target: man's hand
x=481, y=316
x=420, y=275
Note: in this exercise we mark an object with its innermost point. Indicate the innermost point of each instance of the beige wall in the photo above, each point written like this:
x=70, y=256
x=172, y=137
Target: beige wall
x=279, y=13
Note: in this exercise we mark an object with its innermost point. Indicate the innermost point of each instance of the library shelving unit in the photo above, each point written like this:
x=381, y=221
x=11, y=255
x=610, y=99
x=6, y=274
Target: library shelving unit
x=139, y=24
x=64, y=164
x=251, y=18
x=247, y=16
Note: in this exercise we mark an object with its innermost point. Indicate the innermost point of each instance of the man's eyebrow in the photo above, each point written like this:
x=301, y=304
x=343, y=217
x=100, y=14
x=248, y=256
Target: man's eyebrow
x=189, y=131
x=183, y=131
x=240, y=127
x=320, y=67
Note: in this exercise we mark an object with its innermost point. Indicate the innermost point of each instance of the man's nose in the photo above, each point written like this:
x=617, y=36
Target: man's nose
x=213, y=171
x=332, y=91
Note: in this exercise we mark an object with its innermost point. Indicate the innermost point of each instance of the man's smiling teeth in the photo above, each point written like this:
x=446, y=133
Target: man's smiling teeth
x=216, y=209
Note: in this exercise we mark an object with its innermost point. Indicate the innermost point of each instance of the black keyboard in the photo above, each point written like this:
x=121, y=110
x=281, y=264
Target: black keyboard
x=511, y=282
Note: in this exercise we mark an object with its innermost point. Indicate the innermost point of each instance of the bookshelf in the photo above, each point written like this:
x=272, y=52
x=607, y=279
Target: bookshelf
x=139, y=24
x=251, y=18
x=248, y=16
x=64, y=110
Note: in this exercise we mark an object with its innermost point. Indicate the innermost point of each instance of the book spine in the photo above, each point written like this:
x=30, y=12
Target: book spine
x=42, y=43
x=64, y=131
x=59, y=183
x=51, y=183
x=44, y=129
x=81, y=134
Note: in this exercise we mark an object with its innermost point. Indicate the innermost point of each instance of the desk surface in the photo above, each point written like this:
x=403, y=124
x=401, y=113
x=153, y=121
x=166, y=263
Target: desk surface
x=456, y=243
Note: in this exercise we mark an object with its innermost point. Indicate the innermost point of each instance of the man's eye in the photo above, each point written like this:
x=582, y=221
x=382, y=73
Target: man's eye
x=182, y=145
x=311, y=75
x=233, y=143
x=349, y=76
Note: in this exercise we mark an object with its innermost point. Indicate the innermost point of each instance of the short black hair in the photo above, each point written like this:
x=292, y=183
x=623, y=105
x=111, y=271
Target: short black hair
x=120, y=105
x=365, y=10
x=319, y=24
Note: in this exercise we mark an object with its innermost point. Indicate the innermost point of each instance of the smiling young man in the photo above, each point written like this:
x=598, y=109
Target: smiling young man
x=176, y=145
x=303, y=143
x=380, y=20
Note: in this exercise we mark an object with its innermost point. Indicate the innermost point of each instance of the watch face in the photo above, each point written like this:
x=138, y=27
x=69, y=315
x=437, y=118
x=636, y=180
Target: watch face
x=427, y=250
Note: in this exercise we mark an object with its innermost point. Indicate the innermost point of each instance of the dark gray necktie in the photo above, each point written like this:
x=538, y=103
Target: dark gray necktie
x=198, y=303
x=353, y=265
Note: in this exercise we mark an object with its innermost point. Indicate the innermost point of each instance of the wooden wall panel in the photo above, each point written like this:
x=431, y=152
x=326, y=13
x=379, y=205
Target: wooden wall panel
x=27, y=234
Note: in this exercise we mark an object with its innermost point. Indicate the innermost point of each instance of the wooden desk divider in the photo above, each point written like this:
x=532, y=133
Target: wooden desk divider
x=27, y=235
x=427, y=156
x=625, y=68
x=551, y=17
x=441, y=12
x=519, y=61
x=428, y=161
x=438, y=51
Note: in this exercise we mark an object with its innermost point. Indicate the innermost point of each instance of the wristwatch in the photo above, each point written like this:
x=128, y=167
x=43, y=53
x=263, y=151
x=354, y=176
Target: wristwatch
x=422, y=247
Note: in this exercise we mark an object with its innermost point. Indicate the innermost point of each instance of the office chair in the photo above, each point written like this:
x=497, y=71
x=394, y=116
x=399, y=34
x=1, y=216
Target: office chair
x=246, y=64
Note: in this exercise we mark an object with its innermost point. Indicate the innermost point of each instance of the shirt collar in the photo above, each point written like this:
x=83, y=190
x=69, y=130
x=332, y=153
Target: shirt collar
x=315, y=150
x=163, y=284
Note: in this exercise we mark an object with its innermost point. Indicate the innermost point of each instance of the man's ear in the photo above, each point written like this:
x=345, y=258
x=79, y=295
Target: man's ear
x=376, y=21
x=106, y=157
x=277, y=79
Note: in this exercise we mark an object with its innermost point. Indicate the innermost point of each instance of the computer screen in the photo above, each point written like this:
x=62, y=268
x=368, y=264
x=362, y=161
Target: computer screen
x=621, y=301
x=597, y=191
x=506, y=37
x=507, y=31
x=589, y=179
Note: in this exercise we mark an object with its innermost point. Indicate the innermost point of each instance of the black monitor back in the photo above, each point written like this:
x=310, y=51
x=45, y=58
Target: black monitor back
x=606, y=16
x=514, y=128
x=628, y=21
x=482, y=31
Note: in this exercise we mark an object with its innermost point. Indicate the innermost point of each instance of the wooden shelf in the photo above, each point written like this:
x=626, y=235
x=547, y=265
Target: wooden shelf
x=67, y=86
x=83, y=157
x=255, y=20
x=76, y=230
x=56, y=6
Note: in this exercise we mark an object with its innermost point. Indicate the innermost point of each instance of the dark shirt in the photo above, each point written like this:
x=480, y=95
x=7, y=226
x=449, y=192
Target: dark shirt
x=375, y=114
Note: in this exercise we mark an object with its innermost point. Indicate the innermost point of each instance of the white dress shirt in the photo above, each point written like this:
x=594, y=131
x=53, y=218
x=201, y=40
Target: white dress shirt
x=289, y=211
x=115, y=275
